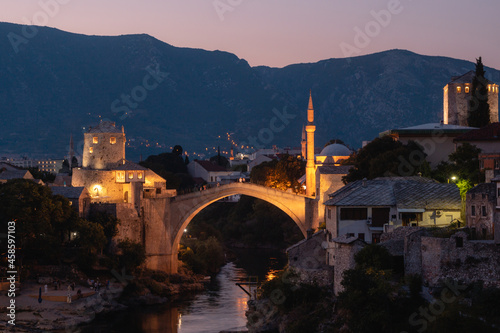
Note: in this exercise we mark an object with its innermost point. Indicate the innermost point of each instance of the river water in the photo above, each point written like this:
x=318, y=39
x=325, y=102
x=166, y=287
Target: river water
x=221, y=307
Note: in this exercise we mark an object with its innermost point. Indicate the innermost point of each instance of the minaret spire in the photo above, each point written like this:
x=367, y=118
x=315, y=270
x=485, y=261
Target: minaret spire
x=310, y=163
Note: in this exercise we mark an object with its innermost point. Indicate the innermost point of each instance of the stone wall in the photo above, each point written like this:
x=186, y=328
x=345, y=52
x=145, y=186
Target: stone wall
x=101, y=184
x=130, y=226
x=460, y=259
x=343, y=259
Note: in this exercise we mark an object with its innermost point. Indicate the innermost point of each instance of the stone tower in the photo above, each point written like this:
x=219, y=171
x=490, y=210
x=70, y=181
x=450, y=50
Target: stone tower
x=456, y=96
x=104, y=146
x=310, y=167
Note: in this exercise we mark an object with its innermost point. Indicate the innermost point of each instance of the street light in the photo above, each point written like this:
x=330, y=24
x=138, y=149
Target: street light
x=453, y=178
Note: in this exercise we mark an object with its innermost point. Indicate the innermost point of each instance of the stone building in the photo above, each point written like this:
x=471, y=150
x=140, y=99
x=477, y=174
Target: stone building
x=483, y=210
x=108, y=176
x=435, y=138
x=308, y=259
x=79, y=198
x=341, y=252
x=456, y=96
x=366, y=208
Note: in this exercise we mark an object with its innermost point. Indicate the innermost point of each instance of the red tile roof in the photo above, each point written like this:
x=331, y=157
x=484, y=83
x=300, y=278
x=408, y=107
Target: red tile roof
x=209, y=166
x=490, y=132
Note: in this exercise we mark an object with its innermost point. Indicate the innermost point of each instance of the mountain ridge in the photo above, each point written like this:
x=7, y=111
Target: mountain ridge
x=61, y=82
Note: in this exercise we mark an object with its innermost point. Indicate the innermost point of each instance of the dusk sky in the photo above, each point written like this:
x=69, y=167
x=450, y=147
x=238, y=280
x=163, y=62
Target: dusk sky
x=281, y=32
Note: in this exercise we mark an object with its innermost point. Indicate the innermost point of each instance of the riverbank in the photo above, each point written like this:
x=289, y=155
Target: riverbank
x=55, y=314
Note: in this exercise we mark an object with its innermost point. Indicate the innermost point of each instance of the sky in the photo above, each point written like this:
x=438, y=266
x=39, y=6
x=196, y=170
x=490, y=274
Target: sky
x=281, y=32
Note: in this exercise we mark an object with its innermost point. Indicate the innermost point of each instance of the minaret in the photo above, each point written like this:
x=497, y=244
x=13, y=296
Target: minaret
x=71, y=152
x=310, y=167
x=303, y=143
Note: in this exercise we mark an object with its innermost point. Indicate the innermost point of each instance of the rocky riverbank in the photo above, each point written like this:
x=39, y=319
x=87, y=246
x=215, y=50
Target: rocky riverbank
x=54, y=314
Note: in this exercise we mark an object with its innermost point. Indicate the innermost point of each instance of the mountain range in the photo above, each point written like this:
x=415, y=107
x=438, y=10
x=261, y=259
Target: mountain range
x=55, y=84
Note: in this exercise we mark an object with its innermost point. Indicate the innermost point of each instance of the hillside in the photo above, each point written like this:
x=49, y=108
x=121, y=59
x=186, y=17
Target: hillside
x=59, y=83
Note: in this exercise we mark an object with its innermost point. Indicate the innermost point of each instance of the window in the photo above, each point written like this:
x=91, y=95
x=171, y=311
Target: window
x=139, y=175
x=120, y=176
x=329, y=213
x=353, y=213
x=350, y=234
x=497, y=164
x=91, y=150
x=466, y=89
x=380, y=216
x=483, y=210
x=376, y=238
x=112, y=140
x=95, y=139
x=489, y=87
x=472, y=210
x=158, y=190
x=361, y=236
x=498, y=194
x=459, y=89
x=130, y=175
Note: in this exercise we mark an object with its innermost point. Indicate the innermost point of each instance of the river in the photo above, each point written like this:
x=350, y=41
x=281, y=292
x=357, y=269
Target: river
x=220, y=307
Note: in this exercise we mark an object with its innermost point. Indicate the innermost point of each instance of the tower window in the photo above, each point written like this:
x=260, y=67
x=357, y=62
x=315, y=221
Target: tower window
x=489, y=87
x=120, y=176
x=91, y=150
x=130, y=175
x=95, y=139
x=139, y=175
x=112, y=140
x=466, y=89
x=459, y=89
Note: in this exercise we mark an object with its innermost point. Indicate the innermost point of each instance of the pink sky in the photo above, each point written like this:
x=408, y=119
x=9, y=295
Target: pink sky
x=281, y=32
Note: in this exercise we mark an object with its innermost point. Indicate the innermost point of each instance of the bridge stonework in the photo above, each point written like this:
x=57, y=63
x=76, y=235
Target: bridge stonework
x=166, y=218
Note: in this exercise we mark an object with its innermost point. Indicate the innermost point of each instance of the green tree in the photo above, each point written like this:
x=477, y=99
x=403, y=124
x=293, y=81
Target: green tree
x=43, y=221
x=132, y=255
x=464, y=165
x=479, y=109
x=281, y=174
x=387, y=157
x=108, y=222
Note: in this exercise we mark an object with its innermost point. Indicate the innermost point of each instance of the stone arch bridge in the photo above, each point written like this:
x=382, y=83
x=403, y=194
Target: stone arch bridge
x=166, y=218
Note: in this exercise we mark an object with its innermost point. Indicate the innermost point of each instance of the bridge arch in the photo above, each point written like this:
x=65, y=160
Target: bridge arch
x=168, y=217
x=210, y=196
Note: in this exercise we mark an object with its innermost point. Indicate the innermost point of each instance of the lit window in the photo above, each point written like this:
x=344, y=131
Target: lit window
x=120, y=176
x=489, y=87
x=95, y=139
x=466, y=89
x=459, y=89
x=91, y=150
x=130, y=175
x=112, y=140
x=139, y=175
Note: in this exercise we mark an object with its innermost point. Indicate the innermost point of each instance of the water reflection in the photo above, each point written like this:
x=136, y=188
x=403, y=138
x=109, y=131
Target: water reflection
x=221, y=307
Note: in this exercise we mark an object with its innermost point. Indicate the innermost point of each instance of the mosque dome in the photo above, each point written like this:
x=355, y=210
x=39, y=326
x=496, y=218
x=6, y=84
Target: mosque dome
x=335, y=149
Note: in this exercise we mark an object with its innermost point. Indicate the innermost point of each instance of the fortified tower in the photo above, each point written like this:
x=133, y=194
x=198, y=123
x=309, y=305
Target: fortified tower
x=310, y=165
x=456, y=96
x=104, y=146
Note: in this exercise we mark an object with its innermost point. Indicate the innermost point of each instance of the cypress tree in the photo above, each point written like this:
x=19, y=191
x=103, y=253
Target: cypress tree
x=479, y=109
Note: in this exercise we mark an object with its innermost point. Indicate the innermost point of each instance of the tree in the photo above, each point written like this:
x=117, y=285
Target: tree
x=464, y=165
x=387, y=157
x=177, y=151
x=132, y=255
x=171, y=166
x=479, y=109
x=280, y=174
x=42, y=220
